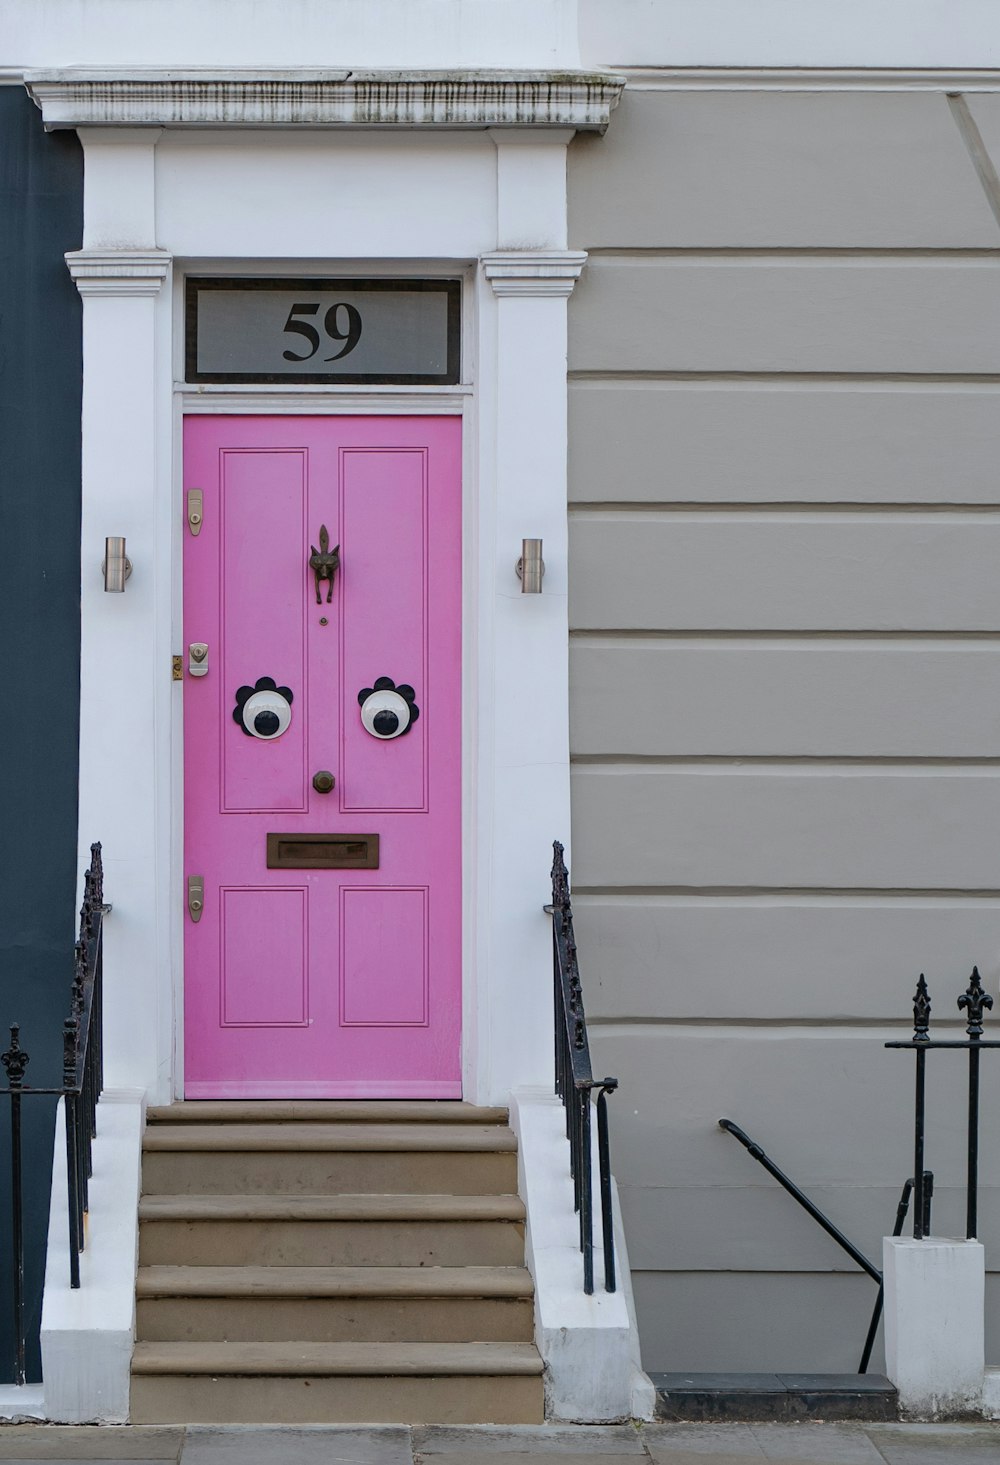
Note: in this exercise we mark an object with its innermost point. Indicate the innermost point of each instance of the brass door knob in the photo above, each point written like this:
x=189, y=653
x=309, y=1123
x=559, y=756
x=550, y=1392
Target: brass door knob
x=323, y=781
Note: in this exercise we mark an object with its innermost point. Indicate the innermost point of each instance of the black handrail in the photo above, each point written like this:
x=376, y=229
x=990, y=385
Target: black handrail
x=575, y=1083
x=926, y=1189
x=82, y=1082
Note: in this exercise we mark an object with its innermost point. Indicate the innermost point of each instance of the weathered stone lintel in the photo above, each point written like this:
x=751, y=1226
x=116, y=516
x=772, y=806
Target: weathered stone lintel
x=335, y=99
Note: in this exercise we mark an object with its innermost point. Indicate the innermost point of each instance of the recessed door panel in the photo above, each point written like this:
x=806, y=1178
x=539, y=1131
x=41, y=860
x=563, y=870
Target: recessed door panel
x=385, y=625
x=384, y=962
x=327, y=958
x=261, y=528
x=265, y=956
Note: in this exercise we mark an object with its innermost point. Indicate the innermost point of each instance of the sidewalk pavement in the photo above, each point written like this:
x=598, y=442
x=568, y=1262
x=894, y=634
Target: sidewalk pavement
x=806, y=1443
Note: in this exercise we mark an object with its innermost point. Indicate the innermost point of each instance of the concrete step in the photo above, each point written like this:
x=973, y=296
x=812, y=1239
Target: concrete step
x=334, y=1304
x=324, y=1159
x=392, y=1207
x=328, y=1262
x=716, y=1397
x=295, y=1383
x=325, y=1111
x=302, y=1231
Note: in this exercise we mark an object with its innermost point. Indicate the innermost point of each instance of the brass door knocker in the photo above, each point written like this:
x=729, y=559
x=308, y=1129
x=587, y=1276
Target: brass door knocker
x=324, y=563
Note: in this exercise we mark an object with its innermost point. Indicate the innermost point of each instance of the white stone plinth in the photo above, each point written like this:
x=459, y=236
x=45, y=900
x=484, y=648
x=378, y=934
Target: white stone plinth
x=934, y=1324
x=87, y=1332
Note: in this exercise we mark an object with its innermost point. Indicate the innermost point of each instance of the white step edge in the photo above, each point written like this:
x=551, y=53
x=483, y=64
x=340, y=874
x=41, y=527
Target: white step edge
x=590, y=1345
x=87, y=1334
x=22, y=1402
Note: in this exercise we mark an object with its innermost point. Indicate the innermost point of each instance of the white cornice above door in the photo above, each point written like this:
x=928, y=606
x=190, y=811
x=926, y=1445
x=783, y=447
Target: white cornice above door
x=341, y=99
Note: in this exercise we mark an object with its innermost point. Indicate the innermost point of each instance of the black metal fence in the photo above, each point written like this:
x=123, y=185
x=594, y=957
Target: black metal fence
x=83, y=1078
x=974, y=1001
x=575, y=1083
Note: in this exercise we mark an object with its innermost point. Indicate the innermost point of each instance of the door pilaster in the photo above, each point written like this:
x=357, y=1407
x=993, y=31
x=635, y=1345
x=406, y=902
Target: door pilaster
x=125, y=675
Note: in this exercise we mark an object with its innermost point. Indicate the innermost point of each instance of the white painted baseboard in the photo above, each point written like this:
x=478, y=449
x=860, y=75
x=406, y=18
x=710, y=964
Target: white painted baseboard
x=589, y=1345
x=87, y=1334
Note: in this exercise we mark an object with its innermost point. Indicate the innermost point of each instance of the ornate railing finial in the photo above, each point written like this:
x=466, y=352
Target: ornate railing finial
x=97, y=871
x=975, y=999
x=560, y=876
x=921, y=1012
x=15, y=1060
x=71, y=1050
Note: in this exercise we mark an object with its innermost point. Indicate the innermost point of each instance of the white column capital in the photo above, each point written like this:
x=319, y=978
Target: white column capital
x=533, y=271
x=119, y=271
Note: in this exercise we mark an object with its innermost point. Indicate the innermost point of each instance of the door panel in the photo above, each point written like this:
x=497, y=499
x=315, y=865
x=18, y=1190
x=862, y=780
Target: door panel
x=262, y=632
x=303, y=980
x=385, y=620
x=384, y=957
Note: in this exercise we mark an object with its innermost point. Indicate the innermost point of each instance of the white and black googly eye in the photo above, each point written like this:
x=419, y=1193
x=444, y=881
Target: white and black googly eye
x=264, y=710
x=388, y=711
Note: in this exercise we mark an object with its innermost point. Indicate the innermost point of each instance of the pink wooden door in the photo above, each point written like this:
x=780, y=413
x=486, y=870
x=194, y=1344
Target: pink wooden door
x=340, y=978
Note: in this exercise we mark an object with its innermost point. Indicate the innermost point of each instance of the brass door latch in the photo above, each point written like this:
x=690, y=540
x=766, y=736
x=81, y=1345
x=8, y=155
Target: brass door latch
x=195, y=510
x=196, y=896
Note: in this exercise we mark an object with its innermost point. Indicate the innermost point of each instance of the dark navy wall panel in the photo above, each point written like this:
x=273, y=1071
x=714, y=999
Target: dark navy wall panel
x=41, y=216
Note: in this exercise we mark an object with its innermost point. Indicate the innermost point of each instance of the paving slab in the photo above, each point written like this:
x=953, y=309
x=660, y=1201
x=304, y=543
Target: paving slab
x=297, y=1445
x=567, y=1456
x=527, y=1439
x=706, y=1444
x=819, y=1444
x=90, y=1442
x=937, y=1444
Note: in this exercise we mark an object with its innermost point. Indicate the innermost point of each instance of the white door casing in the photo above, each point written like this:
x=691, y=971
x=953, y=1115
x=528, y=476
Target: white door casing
x=489, y=204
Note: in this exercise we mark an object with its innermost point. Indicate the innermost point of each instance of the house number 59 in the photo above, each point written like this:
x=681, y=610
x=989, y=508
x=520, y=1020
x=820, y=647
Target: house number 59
x=338, y=315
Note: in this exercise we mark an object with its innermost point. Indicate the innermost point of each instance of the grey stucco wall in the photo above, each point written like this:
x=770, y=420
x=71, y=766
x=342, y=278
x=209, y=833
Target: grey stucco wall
x=41, y=216
x=785, y=518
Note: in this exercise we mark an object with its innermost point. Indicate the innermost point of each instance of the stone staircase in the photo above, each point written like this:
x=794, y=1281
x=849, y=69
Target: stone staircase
x=326, y=1262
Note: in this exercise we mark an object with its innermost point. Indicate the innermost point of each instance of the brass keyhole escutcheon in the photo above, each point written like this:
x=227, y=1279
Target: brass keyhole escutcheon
x=323, y=781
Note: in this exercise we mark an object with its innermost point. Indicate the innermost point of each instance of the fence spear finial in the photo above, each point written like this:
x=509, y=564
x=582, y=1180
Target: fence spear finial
x=921, y=1012
x=15, y=1060
x=975, y=999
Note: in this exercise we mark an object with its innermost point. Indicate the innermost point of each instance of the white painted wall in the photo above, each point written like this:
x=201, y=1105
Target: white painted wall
x=820, y=33
x=501, y=33
x=309, y=33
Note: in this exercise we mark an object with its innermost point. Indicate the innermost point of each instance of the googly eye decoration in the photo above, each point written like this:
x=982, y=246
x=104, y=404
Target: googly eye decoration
x=264, y=710
x=388, y=711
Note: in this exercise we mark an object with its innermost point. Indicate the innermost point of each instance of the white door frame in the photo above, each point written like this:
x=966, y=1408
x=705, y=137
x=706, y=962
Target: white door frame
x=471, y=201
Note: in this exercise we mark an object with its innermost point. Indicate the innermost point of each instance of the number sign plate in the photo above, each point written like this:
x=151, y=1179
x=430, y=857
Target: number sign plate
x=284, y=330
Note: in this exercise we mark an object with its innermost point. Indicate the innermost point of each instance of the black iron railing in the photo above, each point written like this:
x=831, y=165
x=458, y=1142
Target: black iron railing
x=82, y=1081
x=974, y=1001
x=575, y=1083
x=856, y=1255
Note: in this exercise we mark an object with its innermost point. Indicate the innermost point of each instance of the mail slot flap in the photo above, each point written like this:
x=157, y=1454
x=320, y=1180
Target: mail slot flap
x=322, y=851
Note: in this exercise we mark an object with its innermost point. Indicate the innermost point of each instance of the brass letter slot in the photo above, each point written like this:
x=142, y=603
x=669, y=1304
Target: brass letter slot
x=322, y=851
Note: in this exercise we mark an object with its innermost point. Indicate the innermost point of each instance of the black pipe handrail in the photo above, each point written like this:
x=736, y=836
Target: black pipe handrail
x=82, y=1082
x=758, y=1153
x=975, y=1001
x=575, y=1083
